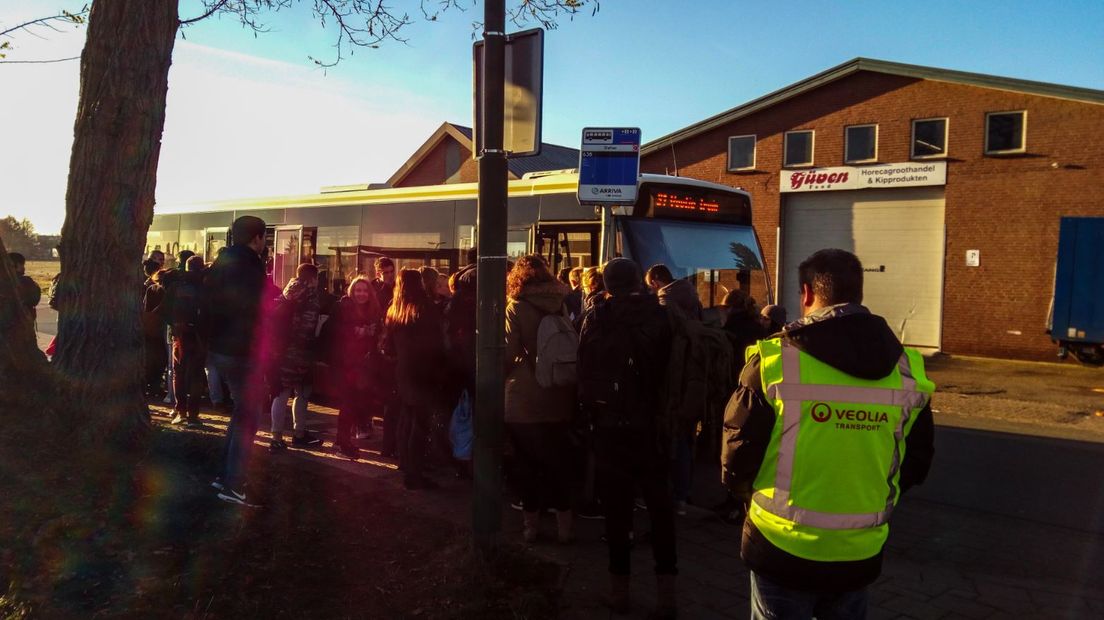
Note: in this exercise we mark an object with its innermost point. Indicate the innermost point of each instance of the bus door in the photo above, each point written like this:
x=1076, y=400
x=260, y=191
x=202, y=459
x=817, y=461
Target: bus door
x=567, y=244
x=215, y=240
x=291, y=246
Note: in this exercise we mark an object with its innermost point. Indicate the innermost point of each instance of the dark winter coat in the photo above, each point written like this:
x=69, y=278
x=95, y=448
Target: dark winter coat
x=299, y=311
x=574, y=303
x=743, y=331
x=421, y=365
x=589, y=303
x=526, y=401
x=171, y=282
x=357, y=330
x=610, y=323
x=460, y=322
x=384, y=292
x=153, y=325
x=861, y=344
x=233, y=293
x=682, y=296
x=30, y=294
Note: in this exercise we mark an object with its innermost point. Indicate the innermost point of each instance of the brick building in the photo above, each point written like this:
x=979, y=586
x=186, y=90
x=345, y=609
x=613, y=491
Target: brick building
x=949, y=187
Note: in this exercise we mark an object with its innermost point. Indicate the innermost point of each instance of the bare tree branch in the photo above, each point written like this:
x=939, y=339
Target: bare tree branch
x=37, y=62
x=30, y=27
x=370, y=23
x=211, y=10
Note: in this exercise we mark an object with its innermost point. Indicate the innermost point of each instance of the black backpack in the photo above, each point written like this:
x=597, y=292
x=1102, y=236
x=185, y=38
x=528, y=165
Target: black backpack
x=619, y=382
x=185, y=309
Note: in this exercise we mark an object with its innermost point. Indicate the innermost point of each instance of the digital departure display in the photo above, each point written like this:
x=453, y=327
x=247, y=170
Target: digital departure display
x=678, y=202
x=693, y=203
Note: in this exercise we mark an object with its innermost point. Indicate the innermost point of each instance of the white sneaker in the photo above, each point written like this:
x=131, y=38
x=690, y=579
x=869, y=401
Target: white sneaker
x=232, y=496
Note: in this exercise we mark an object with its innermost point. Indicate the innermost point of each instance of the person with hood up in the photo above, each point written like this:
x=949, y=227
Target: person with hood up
x=297, y=329
x=624, y=350
x=538, y=418
x=674, y=294
x=830, y=424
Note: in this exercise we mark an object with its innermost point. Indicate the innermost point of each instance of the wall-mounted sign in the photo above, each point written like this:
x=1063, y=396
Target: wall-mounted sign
x=881, y=176
x=973, y=258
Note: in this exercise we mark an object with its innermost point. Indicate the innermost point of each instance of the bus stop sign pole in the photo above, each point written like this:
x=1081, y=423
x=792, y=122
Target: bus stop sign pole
x=490, y=326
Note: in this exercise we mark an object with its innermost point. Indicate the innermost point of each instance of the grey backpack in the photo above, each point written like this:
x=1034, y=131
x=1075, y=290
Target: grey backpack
x=557, y=351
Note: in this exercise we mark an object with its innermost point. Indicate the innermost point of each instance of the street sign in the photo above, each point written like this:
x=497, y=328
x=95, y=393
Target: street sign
x=521, y=132
x=609, y=165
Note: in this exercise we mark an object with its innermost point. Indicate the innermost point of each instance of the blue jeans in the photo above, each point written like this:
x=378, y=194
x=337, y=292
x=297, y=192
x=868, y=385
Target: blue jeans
x=214, y=384
x=683, y=466
x=770, y=601
x=246, y=392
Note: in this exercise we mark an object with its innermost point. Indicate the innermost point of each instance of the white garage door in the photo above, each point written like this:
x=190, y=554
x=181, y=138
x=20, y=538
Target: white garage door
x=898, y=236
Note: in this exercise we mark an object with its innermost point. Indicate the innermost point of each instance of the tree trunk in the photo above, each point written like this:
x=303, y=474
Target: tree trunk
x=108, y=210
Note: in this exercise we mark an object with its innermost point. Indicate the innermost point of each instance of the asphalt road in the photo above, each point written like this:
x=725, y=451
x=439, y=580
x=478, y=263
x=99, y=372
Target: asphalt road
x=1018, y=439
x=1046, y=480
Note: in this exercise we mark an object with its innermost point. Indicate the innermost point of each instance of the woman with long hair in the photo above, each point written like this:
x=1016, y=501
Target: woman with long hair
x=416, y=337
x=537, y=418
x=358, y=324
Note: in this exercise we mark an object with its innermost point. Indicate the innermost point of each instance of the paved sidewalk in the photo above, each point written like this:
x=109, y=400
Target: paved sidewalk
x=941, y=561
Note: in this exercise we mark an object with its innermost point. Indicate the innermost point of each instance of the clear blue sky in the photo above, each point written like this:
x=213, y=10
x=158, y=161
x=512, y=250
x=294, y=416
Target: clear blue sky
x=657, y=65
x=699, y=57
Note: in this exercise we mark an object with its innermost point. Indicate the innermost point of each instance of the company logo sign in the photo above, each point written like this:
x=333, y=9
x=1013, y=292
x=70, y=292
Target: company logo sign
x=878, y=176
x=855, y=419
x=606, y=191
x=817, y=180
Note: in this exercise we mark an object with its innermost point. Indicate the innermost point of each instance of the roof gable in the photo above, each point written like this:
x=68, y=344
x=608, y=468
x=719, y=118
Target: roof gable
x=877, y=66
x=551, y=157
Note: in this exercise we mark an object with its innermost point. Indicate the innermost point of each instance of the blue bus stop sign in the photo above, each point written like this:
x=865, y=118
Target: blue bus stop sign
x=609, y=165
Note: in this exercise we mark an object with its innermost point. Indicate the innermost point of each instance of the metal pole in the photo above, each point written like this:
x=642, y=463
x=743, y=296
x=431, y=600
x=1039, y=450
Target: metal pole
x=491, y=318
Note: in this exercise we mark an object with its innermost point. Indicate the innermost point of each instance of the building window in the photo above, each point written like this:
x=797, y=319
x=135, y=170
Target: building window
x=1005, y=132
x=798, y=148
x=860, y=144
x=741, y=153
x=929, y=138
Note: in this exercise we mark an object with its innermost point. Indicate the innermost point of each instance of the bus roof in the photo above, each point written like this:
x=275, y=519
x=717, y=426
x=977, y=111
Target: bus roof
x=560, y=183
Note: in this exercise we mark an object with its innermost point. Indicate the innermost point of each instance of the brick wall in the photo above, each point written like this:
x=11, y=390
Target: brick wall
x=433, y=169
x=1007, y=207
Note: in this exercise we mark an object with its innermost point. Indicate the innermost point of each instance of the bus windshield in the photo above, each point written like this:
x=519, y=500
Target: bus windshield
x=715, y=257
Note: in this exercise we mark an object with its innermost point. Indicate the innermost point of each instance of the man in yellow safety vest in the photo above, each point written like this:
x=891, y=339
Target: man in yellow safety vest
x=830, y=424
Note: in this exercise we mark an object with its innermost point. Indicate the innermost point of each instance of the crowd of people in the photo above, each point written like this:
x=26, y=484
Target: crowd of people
x=615, y=379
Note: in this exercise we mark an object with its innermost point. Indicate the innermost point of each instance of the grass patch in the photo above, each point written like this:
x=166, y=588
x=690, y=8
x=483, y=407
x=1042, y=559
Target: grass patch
x=43, y=272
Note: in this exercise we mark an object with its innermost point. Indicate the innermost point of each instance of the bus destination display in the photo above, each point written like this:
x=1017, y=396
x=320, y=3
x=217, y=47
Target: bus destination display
x=667, y=203
x=695, y=204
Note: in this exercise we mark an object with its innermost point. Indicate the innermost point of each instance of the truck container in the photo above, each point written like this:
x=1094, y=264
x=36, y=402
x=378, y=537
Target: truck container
x=1077, y=321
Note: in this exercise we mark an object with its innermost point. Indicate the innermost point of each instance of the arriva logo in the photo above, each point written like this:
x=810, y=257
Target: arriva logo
x=821, y=412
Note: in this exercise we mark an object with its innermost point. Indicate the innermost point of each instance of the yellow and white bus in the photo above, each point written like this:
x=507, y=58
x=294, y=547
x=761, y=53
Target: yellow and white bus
x=700, y=230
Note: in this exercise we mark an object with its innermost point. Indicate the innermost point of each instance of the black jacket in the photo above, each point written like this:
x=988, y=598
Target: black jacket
x=233, y=292
x=624, y=349
x=854, y=341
